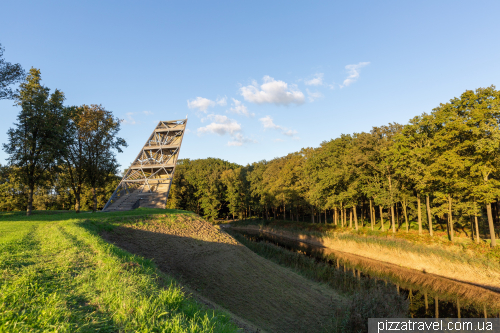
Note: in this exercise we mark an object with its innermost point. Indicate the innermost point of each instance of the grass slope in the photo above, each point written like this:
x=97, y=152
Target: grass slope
x=57, y=274
x=211, y=262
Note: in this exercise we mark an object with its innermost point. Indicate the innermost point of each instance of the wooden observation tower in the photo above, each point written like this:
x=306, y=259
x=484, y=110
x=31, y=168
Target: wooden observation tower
x=148, y=179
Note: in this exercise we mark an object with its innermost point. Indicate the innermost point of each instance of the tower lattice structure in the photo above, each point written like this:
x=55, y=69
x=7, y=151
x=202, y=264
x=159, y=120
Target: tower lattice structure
x=147, y=181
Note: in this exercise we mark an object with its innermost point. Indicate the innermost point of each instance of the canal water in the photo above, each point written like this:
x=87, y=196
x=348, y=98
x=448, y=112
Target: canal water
x=427, y=301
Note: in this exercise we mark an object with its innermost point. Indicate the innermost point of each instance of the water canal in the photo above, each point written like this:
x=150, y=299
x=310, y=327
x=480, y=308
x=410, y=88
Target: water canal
x=429, y=296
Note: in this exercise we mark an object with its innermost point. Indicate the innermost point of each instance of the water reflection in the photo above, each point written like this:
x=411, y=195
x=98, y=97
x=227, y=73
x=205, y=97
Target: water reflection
x=427, y=299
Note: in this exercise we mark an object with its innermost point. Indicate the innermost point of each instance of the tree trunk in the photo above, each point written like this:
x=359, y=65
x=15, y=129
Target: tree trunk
x=344, y=224
x=476, y=224
x=381, y=217
x=342, y=213
x=94, y=194
x=284, y=208
x=336, y=216
x=350, y=218
x=374, y=217
x=362, y=214
x=371, y=214
x=29, y=208
x=426, y=302
x=312, y=214
x=429, y=217
x=419, y=215
x=398, y=219
x=450, y=218
x=490, y=224
x=392, y=204
x=355, y=217
x=325, y=216
x=392, y=219
x=406, y=217
x=436, y=307
x=77, y=202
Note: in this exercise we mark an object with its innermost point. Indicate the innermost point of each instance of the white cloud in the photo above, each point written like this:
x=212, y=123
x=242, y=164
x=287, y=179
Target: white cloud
x=235, y=143
x=200, y=103
x=289, y=132
x=272, y=91
x=221, y=101
x=316, y=81
x=353, y=71
x=312, y=96
x=203, y=104
x=268, y=123
x=129, y=120
x=239, y=108
x=279, y=140
x=239, y=140
x=147, y=113
x=222, y=125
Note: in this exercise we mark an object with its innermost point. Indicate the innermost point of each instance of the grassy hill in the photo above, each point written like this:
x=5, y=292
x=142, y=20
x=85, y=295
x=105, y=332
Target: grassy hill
x=58, y=274
x=220, y=269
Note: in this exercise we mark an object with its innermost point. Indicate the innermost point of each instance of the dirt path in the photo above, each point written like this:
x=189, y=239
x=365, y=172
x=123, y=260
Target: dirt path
x=227, y=273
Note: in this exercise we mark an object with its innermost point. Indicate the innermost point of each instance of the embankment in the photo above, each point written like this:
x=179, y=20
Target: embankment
x=217, y=267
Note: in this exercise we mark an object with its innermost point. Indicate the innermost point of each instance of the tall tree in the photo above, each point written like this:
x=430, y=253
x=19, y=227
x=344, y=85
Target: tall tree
x=98, y=129
x=412, y=155
x=481, y=110
x=237, y=189
x=259, y=191
x=9, y=74
x=38, y=141
x=75, y=155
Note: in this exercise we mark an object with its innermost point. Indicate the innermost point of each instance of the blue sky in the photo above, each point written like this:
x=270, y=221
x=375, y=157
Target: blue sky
x=258, y=79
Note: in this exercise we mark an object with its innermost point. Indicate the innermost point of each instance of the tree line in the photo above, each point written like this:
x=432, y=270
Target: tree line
x=441, y=167
x=57, y=155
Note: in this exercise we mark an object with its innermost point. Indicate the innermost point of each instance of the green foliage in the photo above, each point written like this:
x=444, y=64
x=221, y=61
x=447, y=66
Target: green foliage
x=198, y=186
x=39, y=139
x=9, y=74
x=55, y=149
x=237, y=189
x=12, y=193
x=96, y=132
x=450, y=158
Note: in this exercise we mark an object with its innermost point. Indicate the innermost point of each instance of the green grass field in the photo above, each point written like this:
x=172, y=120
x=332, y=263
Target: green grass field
x=58, y=275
